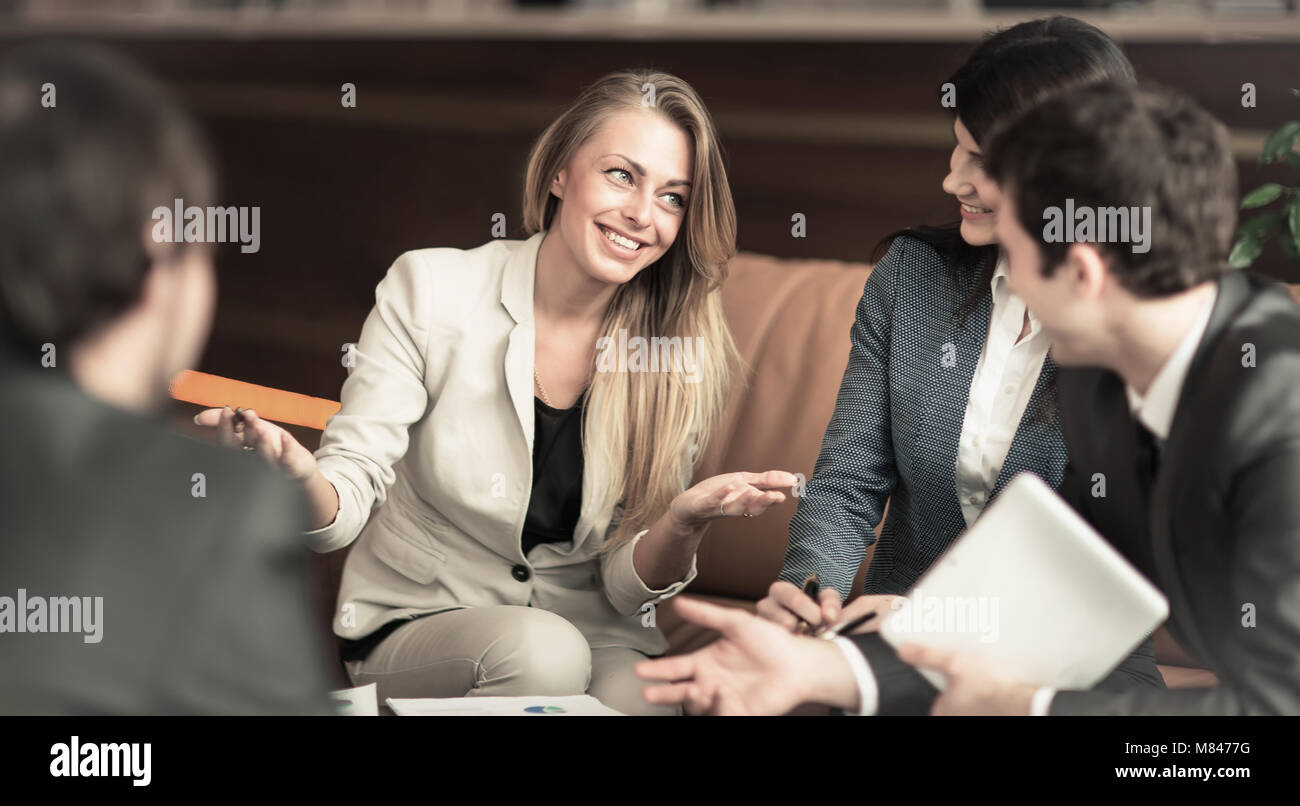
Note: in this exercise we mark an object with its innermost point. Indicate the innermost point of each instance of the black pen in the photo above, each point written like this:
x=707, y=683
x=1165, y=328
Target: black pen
x=809, y=590
x=832, y=632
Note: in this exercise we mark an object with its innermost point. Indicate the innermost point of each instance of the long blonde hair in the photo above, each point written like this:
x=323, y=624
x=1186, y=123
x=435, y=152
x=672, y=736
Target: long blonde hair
x=653, y=416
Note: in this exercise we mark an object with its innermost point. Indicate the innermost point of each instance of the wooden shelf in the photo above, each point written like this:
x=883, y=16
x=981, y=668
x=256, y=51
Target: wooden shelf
x=491, y=23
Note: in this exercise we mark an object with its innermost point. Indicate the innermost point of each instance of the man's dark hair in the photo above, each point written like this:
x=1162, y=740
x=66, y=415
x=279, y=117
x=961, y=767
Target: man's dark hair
x=78, y=183
x=1113, y=145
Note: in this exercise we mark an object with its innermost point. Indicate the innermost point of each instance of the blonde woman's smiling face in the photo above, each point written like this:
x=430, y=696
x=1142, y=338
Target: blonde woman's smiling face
x=624, y=194
x=976, y=194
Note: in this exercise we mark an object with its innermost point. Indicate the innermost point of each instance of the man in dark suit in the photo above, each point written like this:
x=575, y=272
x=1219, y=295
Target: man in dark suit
x=1184, y=437
x=141, y=572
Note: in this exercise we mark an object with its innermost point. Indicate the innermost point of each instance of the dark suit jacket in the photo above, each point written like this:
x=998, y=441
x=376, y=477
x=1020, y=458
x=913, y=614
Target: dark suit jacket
x=1222, y=538
x=206, y=601
x=1218, y=531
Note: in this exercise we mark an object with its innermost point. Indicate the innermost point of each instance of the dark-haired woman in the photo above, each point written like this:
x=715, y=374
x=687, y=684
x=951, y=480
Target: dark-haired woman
x=947, y=393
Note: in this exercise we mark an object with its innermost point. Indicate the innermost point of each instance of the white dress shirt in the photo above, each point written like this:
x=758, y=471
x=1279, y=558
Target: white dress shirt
x=1155, y=410
x=867, y=690
x=1000, y=389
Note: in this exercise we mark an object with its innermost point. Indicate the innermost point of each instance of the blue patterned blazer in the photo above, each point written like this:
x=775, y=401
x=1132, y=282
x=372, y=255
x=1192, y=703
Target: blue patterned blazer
x=897, y=422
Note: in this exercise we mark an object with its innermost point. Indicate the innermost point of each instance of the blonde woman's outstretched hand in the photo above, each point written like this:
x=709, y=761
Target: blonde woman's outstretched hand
x=270, y=441
x=730, y=495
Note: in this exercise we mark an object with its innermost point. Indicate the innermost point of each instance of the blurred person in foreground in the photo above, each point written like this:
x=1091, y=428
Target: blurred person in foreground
x=1183, y=393
x=141, y=572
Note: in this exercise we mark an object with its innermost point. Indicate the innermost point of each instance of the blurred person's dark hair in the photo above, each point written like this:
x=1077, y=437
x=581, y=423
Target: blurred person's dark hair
x=1115, y=145
x=78, y=184
x=1006, y=74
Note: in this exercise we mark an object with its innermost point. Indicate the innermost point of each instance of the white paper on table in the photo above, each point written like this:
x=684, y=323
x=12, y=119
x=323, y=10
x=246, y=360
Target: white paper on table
x=577, y=705
x=359, y=701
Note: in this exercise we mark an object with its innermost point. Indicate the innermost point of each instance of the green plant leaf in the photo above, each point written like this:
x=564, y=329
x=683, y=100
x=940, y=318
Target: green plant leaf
x=1290, y=249
x=1261, y=195
x=1293, y=159
x=1245, y=252
x=1261, y=226
x=1294, y=221
x=1280, y=142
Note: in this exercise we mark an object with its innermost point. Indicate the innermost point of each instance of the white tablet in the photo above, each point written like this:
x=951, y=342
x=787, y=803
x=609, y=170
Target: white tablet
x=1035, y=591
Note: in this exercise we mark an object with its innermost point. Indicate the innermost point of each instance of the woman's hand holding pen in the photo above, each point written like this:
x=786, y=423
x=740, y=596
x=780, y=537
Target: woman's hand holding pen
x=244, y=429
x=786, y=604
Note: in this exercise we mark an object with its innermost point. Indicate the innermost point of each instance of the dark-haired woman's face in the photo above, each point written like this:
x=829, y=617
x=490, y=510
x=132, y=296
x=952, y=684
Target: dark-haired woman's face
x=976, y=194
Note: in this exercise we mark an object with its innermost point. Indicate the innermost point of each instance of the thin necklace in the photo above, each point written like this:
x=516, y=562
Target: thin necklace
x=537, y=379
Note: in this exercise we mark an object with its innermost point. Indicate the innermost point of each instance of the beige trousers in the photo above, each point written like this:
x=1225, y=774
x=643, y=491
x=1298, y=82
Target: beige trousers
x=502, y=651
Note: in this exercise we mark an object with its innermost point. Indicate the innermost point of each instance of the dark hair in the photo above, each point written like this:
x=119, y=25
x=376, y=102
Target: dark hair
x=1119, y=146
x=79, y=179
x=1006, y=74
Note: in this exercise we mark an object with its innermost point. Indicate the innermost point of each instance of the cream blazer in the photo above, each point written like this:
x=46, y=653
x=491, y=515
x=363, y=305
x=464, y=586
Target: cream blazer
x=431, y=454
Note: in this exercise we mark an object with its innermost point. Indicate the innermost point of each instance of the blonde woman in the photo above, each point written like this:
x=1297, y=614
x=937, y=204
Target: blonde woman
x=528, y=486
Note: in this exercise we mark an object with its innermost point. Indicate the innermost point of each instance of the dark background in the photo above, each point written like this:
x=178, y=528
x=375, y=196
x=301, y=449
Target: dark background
x=848, y=133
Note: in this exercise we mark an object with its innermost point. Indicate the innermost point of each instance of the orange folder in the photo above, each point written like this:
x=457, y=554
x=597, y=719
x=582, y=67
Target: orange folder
x=277, y=405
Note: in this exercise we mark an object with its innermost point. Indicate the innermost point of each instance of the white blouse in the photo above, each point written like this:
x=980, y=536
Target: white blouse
x=1004, y=381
